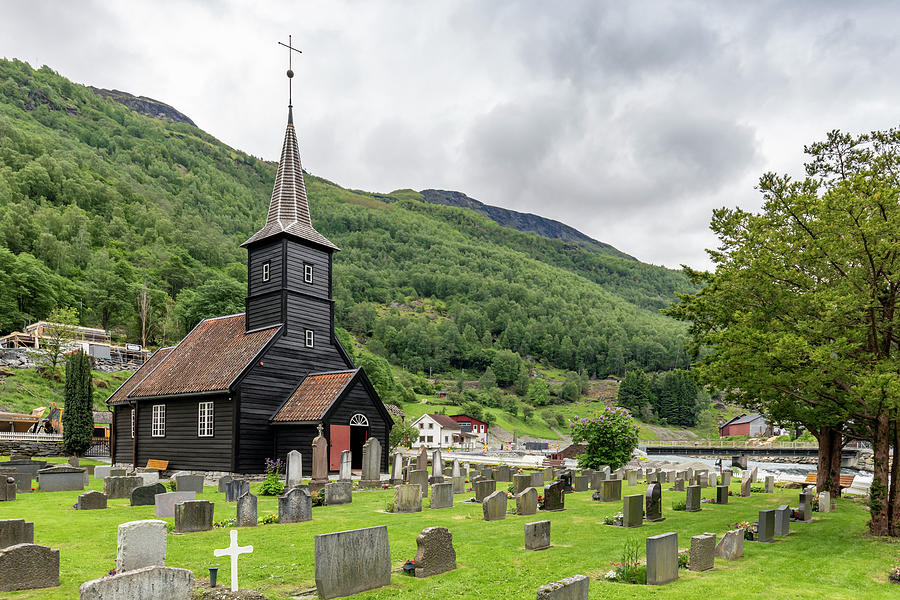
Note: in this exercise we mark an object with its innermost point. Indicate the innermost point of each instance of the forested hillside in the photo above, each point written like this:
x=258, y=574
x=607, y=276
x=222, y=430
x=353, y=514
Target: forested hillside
x=98, y=203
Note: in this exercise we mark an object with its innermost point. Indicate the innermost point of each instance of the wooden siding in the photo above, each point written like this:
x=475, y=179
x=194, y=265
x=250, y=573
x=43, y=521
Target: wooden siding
x=122, y=433
x=181, y=446
x=265, y=311
x=295, y=437
x=273, y=252
x=358, y=400
x=306, y=312
x=299, y=255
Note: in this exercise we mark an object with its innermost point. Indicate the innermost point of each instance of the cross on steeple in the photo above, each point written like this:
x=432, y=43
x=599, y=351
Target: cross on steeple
x=290, y=72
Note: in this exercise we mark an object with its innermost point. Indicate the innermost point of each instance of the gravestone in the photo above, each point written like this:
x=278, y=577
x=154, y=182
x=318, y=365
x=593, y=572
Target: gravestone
x=188, y=483
x=23, y=481
x=295, y=506
x=783, y=520
x=679, y=484
x=692, y=500
x=650, y=477
x=246, y=511
x=555, y=496
x=753, y=474
x=148, y=477
x=319, y=462
x=26, y=465
x=825, y=502
x=293, y=472
x=682, y=474
x=16, y=531
x=145, y=495
x=580, y=483
x=28, y=567
x=420, y=477
x=237, y=488
x=633, y=510
x=537, y=535
x=396, y=469
x=494, y=506
x=504, y=473
x=92, y=500
x=805, y=509
x=653, y=502
x=422, y=460
x=766, y=528
x=140, y=544
x=349, y=562
x=711, y=479
x=484, y=488
x=521, y=482
x=722, y=494
x=745, y=485
x=703, y=552
x=120, y=487
x=61, y=478
x=149, y=583
x=455, y=470
x=437, y=463
x=223, y=482
x=7, y=489
x=537, y=479
x=731, y=546
x=442, y=495
x=338, y=492
x=662, y=558
x=194, y=515
x=371, y=463
x=526, y=502
x=726, y=477
x=459, y=485
x=632, y=477
x=770, y=484
x=570, y=588
x=434, y=551
x=701, y=479
x=548, y=474
x=102, y=471
x=408, y=498
x=610, y=490
x=117, y=472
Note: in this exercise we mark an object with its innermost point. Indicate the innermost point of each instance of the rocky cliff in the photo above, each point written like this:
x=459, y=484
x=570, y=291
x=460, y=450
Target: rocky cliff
x=145, y=106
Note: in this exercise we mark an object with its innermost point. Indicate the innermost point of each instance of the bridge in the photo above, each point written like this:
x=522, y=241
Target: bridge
x=739, y=451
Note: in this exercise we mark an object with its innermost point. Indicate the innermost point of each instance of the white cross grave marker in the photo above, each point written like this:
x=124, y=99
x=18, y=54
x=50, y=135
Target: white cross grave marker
x=233, y=550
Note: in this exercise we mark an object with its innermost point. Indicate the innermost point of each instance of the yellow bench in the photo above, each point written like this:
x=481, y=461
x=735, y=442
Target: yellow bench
x=813, y=479
x=160, y=465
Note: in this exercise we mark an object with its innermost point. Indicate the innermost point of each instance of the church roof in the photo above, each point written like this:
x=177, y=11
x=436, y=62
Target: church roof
x=314, y=396
x=208, y=359
x=120, y=396
x=289, y=207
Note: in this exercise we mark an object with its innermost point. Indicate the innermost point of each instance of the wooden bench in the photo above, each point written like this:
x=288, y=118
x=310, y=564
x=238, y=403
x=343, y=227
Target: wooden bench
x=160, y=465
x=813, y=479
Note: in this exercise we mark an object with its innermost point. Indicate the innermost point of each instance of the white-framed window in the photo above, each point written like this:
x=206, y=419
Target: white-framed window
x=265, y=271
x=205, y=419
x=158, y=426
x=430, y=438
x=359, y=420
x=308, y=273
x=132, y=422
x=310, y=338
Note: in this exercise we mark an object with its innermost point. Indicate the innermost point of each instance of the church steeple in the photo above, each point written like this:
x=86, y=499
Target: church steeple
x=289, y=207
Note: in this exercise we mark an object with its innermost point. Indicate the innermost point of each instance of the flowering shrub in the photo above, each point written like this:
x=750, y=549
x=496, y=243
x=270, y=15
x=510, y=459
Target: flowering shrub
x=684, y=559
x=225, y=523
x=272, y=486
x=610, y=438
x=318, y=499
x=629, y=568
x=267, y=518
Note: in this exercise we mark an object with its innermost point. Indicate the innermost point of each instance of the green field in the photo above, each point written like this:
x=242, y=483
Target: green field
x=829, y=558
x=22, y=390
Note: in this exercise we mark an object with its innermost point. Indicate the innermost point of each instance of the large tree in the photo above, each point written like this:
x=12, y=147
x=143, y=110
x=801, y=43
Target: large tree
x=800, y=318
x=78, y=417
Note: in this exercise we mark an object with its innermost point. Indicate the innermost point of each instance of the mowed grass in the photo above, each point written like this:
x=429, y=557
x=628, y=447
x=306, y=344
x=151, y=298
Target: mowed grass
x=830, y=558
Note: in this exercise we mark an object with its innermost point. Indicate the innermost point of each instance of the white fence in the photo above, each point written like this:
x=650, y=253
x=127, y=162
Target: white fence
x=31, y=437
x=727, y=444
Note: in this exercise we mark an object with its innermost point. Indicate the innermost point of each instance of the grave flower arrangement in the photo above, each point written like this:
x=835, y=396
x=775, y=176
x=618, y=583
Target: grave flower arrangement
x=409, y=567
x=617, y=519
x=272, y=486
x=894, y=575
x=749, y=530
x=629, y=568
x=684, y=559
x=540, y=502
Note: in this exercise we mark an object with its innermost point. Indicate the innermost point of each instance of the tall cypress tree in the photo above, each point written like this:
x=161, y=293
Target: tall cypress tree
x=78, y=417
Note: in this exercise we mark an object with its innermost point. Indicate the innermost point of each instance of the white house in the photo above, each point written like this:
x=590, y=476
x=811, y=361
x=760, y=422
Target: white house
x=440, y=431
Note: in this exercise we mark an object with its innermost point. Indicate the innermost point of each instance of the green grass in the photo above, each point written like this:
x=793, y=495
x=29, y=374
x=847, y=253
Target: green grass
x=830, y=558
x=24, y=389
x=535, y=427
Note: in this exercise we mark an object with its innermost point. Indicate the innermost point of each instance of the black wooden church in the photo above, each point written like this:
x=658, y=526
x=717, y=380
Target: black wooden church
x=242, y=388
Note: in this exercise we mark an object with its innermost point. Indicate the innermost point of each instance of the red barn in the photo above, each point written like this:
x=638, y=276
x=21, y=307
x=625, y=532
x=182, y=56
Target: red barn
x=751, y=425
x=468, y=424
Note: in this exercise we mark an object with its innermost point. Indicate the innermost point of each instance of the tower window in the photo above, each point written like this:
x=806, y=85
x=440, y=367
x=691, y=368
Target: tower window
x=265, y=271
x=310, y=338
x=308, y=273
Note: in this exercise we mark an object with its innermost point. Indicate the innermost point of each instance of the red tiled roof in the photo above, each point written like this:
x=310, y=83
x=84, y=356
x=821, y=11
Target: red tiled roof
x=120, y=396
x=313, y=397
x=208, y=359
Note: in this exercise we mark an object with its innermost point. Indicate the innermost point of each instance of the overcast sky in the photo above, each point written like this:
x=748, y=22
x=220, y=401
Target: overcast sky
x=630, y=121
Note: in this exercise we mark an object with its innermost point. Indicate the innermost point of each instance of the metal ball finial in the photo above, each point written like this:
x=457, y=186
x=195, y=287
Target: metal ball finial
x=290, y=74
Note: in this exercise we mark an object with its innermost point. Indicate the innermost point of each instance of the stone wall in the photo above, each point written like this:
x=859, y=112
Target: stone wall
x=32, y=447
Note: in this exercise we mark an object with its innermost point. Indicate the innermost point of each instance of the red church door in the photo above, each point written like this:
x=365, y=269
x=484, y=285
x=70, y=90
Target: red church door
x=340, y=441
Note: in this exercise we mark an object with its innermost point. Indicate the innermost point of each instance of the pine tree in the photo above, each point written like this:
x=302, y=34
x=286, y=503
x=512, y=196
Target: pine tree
x=78, y=416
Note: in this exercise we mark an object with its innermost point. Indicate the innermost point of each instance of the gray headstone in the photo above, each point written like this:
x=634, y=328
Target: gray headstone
x=422, y=460
x=419, y=477
x=117, y=472
x=189, y=483
x=16, y=531
x=145, y=495
x=102, y=471
x=633, y=510
x=62, y=478
x=548, y=474
x=91, y=500
x=455, y=469
x=165, y=503
x=766, y=529
x=338, y=492
x=483, y=489
x=396, y=468
x=246, y=511
x=731, y=546
x=662, y=558
x=345, y=472
x=120, y=487
x=580, y=483
x=149, y=583
x=295, y=506
x=610, y=490
x=692, y=499
x=23, y=481
x=28, y=567
x=237, y=488
x=526, y=502
x=679, y=484
x=371, y=463
x=783, y=520
x=349, y=562
x=194, y=515
x=140, y=544
x=223, y=483
x=521, y=482
x=435, y=553
x=504, y=473
x=825, y=502
x=294, y=470
x=555, y=496
x=745, y=484
x=753, y=474
x=437, y=463
x=632, y=477
x=726, y=476
x=459, y=485
x=805, y=508
x=7, y=488
x=703, y=552
x=537, y=479
x=770, y=484
x=148, y=477
x=570, y=588
x=441, y=496
x=494, y=506
x=721, y=494
x=408, y=498
x=537, y=535
x=654, y=502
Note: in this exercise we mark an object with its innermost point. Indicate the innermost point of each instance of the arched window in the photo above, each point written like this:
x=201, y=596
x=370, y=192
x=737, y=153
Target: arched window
x=359, y=420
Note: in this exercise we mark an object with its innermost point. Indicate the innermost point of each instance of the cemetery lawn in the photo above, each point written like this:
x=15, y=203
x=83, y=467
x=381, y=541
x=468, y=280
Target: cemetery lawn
x=829, y=558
